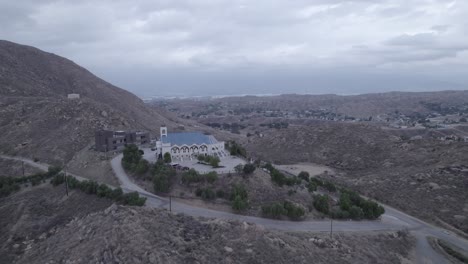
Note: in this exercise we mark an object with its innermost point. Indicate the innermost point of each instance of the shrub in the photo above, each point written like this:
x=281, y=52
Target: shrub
x=133, y=199
x=167, y=157
x=142, y=166
x=238, y=190
x=208, y=194
x=329, y=186
x=356, y=212
x=248, y=169
x=304, y=175
x=220, y=194
x=321, y=203
x=337, y=213
x=191, y=176
x=293, y=211
x=239, y=197
x=211, y=176
x=312, y=186
x=275, y=210
x=239, y=204
x=316, y=181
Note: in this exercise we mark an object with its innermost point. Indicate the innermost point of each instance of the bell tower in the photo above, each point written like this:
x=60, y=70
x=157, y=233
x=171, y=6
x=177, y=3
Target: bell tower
x=163, y=131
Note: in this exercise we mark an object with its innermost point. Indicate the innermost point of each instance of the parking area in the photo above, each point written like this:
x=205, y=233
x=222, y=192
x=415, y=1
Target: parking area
x=228, y=162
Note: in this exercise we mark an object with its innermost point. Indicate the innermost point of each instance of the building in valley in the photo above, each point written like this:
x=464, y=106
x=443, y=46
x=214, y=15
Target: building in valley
x=187, y=145
x=108, y=140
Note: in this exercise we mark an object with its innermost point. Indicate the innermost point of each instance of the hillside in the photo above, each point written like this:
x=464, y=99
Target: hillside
x=96, y=233
x=38, y=121
x=425, y=177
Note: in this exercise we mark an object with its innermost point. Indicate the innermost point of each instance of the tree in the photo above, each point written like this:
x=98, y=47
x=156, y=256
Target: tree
x=356, y=212
x=248, y=168
x=214, y=161
x=167, y=157
x=239, y=168
x=142, y=167
x=463, y=120
x=304, y=175
x=321, y=203
x=239, y=204
x=345, y=201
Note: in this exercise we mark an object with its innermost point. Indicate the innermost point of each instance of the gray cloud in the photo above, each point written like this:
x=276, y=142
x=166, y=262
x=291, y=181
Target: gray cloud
x=249, y=43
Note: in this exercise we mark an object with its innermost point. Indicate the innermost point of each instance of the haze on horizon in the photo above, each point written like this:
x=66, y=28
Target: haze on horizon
x=208, y=47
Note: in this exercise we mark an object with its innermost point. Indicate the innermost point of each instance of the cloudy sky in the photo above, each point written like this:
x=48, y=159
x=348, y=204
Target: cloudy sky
x=221, y=47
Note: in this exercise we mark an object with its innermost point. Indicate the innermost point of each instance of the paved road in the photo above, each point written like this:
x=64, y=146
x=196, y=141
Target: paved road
x=392, y=219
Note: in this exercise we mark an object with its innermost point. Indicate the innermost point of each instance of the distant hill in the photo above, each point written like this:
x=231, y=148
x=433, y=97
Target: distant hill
x=37, y=119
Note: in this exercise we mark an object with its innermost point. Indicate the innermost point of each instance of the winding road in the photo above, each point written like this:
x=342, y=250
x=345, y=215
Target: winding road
x=393, y=219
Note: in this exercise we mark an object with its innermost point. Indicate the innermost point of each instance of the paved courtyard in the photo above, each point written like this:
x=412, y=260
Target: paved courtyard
x=228, y=162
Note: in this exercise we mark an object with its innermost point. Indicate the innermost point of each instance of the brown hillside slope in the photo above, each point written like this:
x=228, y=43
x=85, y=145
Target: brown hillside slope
x=142, y=235
x=37, y=119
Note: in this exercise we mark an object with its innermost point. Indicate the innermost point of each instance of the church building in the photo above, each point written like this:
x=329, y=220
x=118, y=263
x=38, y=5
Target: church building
x=187, y=145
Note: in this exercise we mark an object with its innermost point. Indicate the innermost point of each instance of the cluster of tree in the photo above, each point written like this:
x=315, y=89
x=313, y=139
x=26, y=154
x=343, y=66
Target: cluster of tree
x=313, y=183
x=206, y=193
x=192, y=176
x=350, y=206
x=287, y=208
x=281, y=179
x=235, y=149
x=245, y=169
x=163, y=177
x=9, y=185
x=239, y=198
x=101, y=190
x=132, y=160
x=353, y=206
x=212, y=160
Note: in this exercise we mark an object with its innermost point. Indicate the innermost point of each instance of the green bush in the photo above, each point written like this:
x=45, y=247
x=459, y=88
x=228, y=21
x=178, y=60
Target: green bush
x=239, y=204
x=239, y=197
x=337, y=213
x=356, y=212
x=133, y=199
x=142, y=167
x=312, y=186
x=293, y=211
x=211, y=177
x=329, y=186
x=274, y=210
x=248, y=169
x=304, y=175
x=101, y=190
x=321, y=203
x=167, y=157
x=235, y=149
x=163, y=177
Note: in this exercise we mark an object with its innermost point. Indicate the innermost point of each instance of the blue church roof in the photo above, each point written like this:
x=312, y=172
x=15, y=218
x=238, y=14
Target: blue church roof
x=188, y=138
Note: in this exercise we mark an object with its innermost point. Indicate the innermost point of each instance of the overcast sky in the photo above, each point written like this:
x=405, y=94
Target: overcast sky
x=218, y=47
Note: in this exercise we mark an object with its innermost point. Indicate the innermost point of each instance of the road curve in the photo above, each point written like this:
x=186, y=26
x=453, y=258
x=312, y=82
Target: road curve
x=393, y=219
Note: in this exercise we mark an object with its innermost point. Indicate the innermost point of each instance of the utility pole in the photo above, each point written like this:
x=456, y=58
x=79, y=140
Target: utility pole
x=22, y=163
x=170, y=203
x=331, y=228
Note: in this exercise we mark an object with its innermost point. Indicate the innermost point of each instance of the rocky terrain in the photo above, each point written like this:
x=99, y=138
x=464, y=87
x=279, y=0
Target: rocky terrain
x=424, y=177
x=359, y=106
x=140, y=235
x=38, y=121
x=32, y=214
